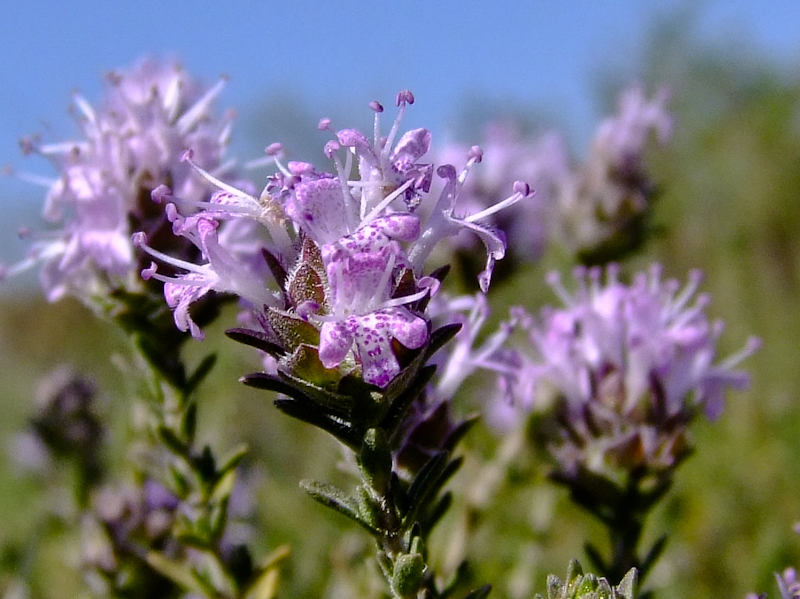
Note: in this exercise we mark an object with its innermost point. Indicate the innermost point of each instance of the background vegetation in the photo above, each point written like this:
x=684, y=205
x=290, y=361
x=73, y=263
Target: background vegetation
x=729, y=205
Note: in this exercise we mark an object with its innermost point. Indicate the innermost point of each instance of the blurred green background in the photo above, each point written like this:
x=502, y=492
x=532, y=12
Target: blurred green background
x=730, y=205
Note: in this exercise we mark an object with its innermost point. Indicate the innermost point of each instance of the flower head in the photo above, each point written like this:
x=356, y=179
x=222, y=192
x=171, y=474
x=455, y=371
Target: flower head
x=630, y=366
x=130, y=143
x=603, y=205
x=345, y=249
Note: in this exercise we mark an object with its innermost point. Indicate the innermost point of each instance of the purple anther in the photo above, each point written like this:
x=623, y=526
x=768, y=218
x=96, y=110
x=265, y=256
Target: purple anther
x=522, y=188
x=446, y=171
x=148, y=272
x=405, y=97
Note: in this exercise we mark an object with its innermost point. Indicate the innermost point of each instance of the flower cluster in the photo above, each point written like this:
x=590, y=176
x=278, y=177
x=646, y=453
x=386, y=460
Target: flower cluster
x=603, y=206
x=630, y=366
x=342, y=281
x=595, y=209
x=129, y=144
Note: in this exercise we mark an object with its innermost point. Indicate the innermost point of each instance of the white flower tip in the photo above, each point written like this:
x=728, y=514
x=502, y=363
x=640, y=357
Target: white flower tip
x=553, y=278
x=696, y=276
x=171, y=210
x=139, y=239
x=753, y=344
x=160, y=192
x=484, y=280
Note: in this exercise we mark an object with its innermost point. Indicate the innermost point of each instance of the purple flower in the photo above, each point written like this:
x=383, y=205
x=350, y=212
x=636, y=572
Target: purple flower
x=605, y=200
x=443, y=221
x=788, y=584
x=651, y=339
x=629, y=366
x=364, y=313
x=346, y=250
x=130, y=143
x=509, y=156
x=225, y=271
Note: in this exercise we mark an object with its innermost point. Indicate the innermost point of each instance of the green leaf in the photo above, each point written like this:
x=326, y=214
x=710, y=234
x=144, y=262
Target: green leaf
x=200, y=373
x=626, y=589
x=189, y=422
x=224, y=487
x=180, y=486
x=258, y=339
x=594, y=556
x=235, y=458
x=407, y=575
x=440, y=337
x=425, y=484
x=480, y=593
x=375, y=460
x=291, y=329
x=205, y=465
x=652, y=556
x=173, y=443
x=406, y=392
x=177, y=572
x=310, y=413
x=305, y=373
x=336, y=499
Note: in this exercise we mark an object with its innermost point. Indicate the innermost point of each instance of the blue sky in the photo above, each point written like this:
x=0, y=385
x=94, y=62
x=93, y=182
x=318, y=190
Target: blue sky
x=545, y=53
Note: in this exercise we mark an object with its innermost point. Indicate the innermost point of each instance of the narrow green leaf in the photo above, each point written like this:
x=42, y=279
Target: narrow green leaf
x=594, y=556
x=173, y=443
x=336, y=499
x=189, y=422
x=232, y=460
x=307, y=412
x=480, y=593
x=224, y=487
x=177, y=572
x=626, y=589
x=258, y=339
x=440, y=337
x=403, y=400
x=200, y=373
x=205, y=465
x=375, y=460
x=424, y=484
